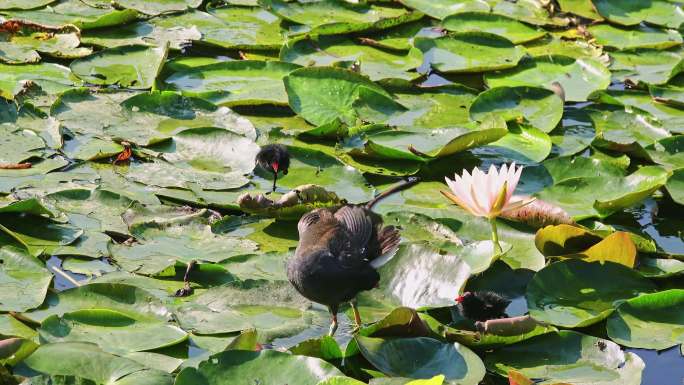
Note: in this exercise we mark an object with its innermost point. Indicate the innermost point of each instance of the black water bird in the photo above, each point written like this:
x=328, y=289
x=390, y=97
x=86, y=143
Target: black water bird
x=274, y=158
x=482, y=305
x=338, y=252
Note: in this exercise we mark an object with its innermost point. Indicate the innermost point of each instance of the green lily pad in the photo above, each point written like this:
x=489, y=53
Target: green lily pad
x=651, y=321
x=578, y=77
x=88, y=267
x=656, y=12
x=132, y=66
x=539, y=107
x=266, y=367
x=25, y=46
x=528, y=11
x=128, y=300
x=142, y=33
x=39, y=234
x=469, y=52
x=18, y=145
x=323, y=94
x=675, y=186
x=77, y=13
x=556, y=44
x=575, y=293
x=503, y=26
x=626, y=132
x=568, y=357
x=646, y=65
x=244, y=82
x=330, y=17
x=23, y=278
x=439, y=9
x=669, y=116
x=50, y=77
x=584, y=8
x=376, y=63
x=157, y=7
x=87, y=361
x=433, y=107
x=639, y=37
x=102, y=205
x=660, y=267
x=25, y=4
x=574, y=134
x=668, y=152
x=112, y=331
x=422, y=357
x=521, y=144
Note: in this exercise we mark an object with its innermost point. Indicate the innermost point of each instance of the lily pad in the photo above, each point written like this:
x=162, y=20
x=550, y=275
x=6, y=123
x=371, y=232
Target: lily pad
x=646, y=65
x=422, y=357
x=23, y=278
x=528, y=11
x=24, y=47
x=652, y=321
x=658, y=12
x=157, y=7
x=50, y=77
x=503, y=26
x=575, y=293
x=469, y=52
x=112, y=331
x=578, y=77
x=584, y=8
x=638, y=37
x=25, y=4
x=142, y=33
x=668, y=152
x=132, y=66
x=249, y=28
x=541, y=108
x=245, y=82
x=675, y=186
x=77, y=13
x=439, y=9
x=568, y=357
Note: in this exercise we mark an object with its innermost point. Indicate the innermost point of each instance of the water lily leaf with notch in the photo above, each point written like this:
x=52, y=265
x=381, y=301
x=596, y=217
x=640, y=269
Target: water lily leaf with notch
x=23, y=280
x=615, y=191
x=243, y=305
x=212, y=158
x=87, y=361
x=568, y=357
x=521, y=144
x=584, y=8
x=469, y=52
x=323, y=94
x=433, y=107
x=622, y=131
x=77, y=13
x=142, y=33
x=244, y=82
x=575, y=293
x=669, y=116
x=112, y=331
x=375, y=63
x=267, y=367
x=675, y=186
x=528, y=11
x=651, y=321
x=330, y=17
x=403, y=281
x=578, y=77
x=650, y=66
x=439, y=9
x=658, y=12
x=134, y=66
x=52, y=78
x=18, y=145
x=249, y=28
x=668, y=152
x=503, y=26
x=556, y=44
x=105, y=206
x=539, y=107
x=39, y=234
x=128, y=300
x=23, y=47
x=428, y=358
x=632, y=38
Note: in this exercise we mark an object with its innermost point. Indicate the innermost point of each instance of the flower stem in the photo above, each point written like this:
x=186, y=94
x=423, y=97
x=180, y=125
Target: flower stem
x=495, y=237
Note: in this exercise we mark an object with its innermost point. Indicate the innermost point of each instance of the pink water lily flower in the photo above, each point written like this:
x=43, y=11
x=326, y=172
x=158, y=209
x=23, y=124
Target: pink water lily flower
x=486, y=194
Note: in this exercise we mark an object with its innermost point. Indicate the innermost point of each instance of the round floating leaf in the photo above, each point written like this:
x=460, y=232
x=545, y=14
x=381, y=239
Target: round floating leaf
x=23, y=280
x=133, y=66
x=439, y=9
x=24, y=46
x=668, y=152
x=669, y=116
x=651, y=321
x=422, y=357
x=503, y=26
x=660, y=267
x=639, y=37
x=267, y=367
x=575, y=293
x=330, y=17
x=249, y=28
x=156, y=7
x=521, y=144
x=626, y=132
x=433, y=107
x=469, y=52
x=50, y=77
x=78, y=13
x=247, y=82
x=376, y=63
x=657, y=12
x=24, y=4
x=578, y=77
x=11, y=327
x=17, y=145
x=528, y=11
x=584, y=8
x=539, y=107
x=112, y=331
x=646, y=65
x=87, y=361
x=323, y=94
x=675, y=186
x=142, y=33
x=568, y=357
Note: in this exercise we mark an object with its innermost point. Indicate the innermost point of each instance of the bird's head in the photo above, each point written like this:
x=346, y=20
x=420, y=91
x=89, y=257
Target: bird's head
x=274, y=158
x=463, y=297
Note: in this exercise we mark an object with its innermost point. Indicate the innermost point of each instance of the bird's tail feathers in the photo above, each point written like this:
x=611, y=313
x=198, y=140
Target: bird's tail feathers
x=389, y=238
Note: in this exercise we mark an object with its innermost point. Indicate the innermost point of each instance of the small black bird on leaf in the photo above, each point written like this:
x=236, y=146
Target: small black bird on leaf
x=274, y=158
x=338, y=252
x=482, y=305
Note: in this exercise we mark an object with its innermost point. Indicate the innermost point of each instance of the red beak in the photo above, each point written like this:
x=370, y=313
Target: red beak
x=459, y=299
x=274, y=165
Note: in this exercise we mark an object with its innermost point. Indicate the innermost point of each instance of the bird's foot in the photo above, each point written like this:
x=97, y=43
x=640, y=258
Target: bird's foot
x=184, y=292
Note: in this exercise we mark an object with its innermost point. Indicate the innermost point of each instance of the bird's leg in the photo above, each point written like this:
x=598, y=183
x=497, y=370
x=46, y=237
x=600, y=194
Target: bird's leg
x=275, y=178
x=333, y=324
x=357, y=316
x=186, y=290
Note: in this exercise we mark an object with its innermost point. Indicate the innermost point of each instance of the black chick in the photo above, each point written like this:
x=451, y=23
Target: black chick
x=338, y=252
x=482, y=305
x=274, y=158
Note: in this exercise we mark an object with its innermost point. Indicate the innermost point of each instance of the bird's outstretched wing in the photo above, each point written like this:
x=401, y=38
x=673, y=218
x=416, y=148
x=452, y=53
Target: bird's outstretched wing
x=357, y=221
